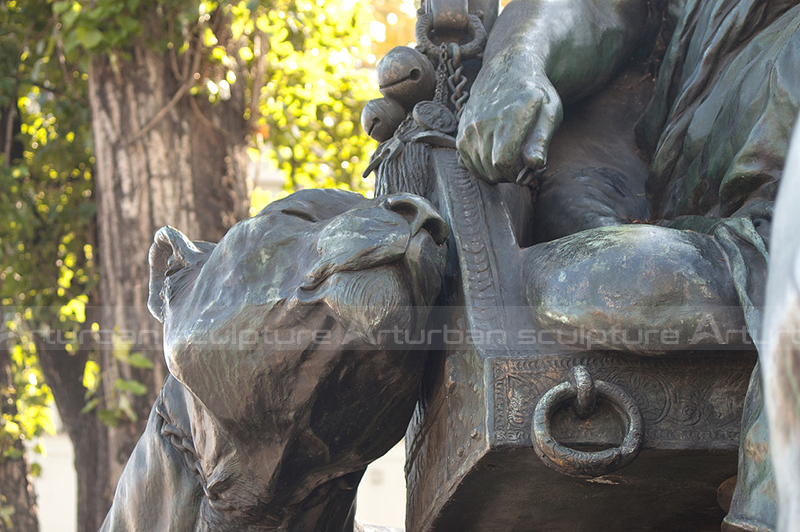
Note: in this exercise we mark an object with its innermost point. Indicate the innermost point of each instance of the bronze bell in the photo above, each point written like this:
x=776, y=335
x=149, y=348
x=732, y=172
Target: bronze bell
x=407, y=76
x=380, y=118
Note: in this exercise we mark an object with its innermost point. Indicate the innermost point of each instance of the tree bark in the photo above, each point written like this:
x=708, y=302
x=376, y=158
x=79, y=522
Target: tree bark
x=163, y=157
x=16, y=490
x=63, y=372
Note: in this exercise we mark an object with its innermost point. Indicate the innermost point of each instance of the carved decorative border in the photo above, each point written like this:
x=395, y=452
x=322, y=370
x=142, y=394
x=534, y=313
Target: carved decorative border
x=468, y=222
x=685, y=402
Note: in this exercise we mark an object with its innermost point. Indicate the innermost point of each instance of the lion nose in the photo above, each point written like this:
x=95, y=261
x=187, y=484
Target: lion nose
x=420, y=215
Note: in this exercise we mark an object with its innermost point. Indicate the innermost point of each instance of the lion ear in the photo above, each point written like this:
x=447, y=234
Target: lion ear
x=171, y=252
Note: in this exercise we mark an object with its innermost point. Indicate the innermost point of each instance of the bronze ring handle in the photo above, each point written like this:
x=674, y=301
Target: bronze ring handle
x=586, y=463
x=469, y=50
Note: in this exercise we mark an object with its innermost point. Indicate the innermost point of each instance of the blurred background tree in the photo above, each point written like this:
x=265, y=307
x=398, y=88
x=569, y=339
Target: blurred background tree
x=118, y=117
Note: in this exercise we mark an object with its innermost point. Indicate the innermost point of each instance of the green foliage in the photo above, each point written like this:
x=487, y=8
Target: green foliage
x=30, y=418
x=300, y=62
x=308, y=110
x=46, y=205
x=115, y=405
x=6, y=513
x=296, y=65
x=97, y=25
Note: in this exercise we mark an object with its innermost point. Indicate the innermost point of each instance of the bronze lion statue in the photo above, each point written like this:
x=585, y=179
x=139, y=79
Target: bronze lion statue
x=286, y=377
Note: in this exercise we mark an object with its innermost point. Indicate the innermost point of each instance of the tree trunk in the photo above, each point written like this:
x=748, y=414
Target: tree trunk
x=63, y=372
x=16, y=491
x=161, y=159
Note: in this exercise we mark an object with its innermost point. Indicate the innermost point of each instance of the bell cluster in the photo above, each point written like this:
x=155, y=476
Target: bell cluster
x=405, y=78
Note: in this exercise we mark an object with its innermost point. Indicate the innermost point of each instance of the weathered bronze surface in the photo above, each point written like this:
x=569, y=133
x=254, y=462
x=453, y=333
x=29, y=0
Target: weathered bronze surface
x=406, y=76
x=471, y=460
x=600, y=308
x=651, y=209
x=381, y=117
x=283, y=386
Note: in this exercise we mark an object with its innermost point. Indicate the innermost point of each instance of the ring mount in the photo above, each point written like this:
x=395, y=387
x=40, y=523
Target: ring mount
x=583, y=391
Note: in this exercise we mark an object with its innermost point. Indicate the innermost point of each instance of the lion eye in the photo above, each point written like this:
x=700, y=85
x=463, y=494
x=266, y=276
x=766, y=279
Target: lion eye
x=299, y=214
x=174, y=266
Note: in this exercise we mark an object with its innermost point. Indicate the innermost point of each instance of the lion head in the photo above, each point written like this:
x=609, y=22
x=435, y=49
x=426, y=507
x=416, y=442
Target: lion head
x=285, y=334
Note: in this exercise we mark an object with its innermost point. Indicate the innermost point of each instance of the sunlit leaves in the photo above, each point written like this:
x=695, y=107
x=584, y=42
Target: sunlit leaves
x=117, y=403
x=31, y=397
x=97, y=25
x=300, y=63
x=312, y=88
x=46, y=206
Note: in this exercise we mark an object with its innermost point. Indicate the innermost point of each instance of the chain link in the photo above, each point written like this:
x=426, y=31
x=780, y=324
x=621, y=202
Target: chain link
x=450, y=79
x=456, y=80
x=440, y=95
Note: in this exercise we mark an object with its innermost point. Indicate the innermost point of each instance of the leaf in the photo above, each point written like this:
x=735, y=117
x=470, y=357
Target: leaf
x=109, y=417
x=6, y=512
x=61, y=7
x=129, y=26
x=88, y=38
x=91, y=377
x=12, y=429
x=131, y=385
x=138, y=360
x=71, y=40
x=125, y=407
x=12, y=453
x=88, y=407
x=70, y=17
x=262, y=23
x=121, y=348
